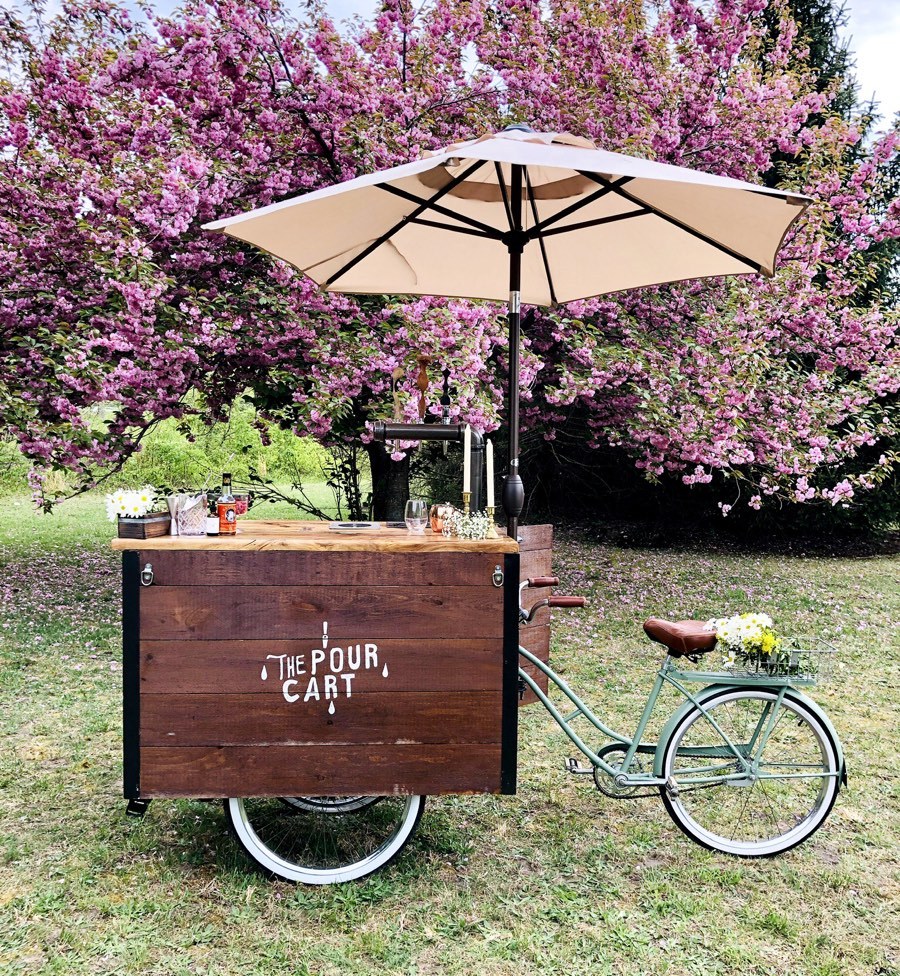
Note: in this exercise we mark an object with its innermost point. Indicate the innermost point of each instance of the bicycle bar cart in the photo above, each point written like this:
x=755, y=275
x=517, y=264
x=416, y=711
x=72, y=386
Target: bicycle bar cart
x=304, y=664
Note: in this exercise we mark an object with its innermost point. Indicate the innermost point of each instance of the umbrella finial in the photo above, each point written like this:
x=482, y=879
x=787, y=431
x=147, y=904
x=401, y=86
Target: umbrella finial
x=518, y=127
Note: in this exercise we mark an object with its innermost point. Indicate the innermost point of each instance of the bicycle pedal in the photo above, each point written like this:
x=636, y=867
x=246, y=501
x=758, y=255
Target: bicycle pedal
x=574, y=767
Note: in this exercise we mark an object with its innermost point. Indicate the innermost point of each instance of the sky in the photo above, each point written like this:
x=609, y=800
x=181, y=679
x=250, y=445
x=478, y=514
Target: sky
x=874, y=31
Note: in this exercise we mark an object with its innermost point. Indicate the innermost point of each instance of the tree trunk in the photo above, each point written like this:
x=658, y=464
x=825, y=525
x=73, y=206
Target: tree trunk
x=390, y=484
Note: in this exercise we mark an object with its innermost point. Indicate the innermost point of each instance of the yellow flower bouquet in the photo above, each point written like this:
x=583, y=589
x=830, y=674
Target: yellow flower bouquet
x=749, y=640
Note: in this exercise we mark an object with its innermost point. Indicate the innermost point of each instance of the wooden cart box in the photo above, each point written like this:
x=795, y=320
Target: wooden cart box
x=294, y=660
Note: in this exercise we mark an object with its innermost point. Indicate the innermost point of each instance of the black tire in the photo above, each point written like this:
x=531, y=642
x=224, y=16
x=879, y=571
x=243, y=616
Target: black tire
x=755, y=816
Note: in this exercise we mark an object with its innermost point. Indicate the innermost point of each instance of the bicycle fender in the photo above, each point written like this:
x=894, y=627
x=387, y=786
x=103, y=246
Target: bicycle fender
x=826, y=721
x=702, y=696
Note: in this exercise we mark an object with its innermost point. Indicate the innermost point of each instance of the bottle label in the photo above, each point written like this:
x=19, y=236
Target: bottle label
x=227, y=518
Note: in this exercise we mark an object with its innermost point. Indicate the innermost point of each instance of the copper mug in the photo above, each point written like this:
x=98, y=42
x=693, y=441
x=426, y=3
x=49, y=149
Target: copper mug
x=438, y=513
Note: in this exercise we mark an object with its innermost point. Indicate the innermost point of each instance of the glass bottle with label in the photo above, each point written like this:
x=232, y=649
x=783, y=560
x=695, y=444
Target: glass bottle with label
x=227, y=508
x=212, y=517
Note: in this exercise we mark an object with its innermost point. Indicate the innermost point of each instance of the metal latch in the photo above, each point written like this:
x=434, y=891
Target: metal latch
x=147, y=575
x=497, y=577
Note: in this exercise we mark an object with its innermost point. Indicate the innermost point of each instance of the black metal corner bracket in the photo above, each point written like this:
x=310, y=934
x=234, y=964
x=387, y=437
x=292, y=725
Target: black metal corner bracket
x=131, y=664
x=509, y=736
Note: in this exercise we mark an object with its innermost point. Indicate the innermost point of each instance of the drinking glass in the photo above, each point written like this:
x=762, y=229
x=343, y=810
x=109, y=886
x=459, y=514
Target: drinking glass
x=416, y=515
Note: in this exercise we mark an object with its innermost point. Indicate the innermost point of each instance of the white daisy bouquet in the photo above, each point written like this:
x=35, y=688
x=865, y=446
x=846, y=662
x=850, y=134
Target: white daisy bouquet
x=747, y=638
x=130, y=502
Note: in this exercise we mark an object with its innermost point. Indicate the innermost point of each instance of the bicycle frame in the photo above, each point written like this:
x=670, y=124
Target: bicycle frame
x=731, y=755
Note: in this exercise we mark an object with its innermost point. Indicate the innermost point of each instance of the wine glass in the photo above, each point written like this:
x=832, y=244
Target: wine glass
x=416, y=515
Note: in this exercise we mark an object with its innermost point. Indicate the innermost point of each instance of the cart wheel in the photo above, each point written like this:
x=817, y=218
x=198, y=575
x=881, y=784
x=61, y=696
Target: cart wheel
x=331, y=804
x=314, y=846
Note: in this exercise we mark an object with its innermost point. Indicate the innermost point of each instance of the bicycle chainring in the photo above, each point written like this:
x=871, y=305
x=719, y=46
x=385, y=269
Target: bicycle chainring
x=607, y=785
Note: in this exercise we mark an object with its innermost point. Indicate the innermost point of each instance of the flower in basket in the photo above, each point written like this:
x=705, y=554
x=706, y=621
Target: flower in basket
x=747, y=638
x=130, y=502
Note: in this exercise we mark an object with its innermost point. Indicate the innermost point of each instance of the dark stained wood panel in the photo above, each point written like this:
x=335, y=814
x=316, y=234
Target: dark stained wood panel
x=536, y=638
x=534, y=563
x=218, y=568
x=319, y=770
x=533, y=537
x=536, y=560
x=358, y=613
x=234, y=666
x=377, y=717
x=408, y=646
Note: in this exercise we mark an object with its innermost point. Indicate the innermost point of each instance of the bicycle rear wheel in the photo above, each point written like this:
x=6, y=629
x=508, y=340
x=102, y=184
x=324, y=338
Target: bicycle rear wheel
x=323, y=845
x=786, y=798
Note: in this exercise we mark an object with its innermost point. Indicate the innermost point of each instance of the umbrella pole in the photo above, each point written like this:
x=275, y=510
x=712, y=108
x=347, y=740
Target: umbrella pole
x=513, y=495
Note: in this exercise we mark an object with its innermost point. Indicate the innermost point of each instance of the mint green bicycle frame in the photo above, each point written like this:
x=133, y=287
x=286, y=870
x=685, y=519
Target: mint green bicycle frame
x=731, y=755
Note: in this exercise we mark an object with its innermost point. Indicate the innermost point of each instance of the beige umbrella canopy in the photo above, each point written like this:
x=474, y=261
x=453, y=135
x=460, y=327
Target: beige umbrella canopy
x=541, y=218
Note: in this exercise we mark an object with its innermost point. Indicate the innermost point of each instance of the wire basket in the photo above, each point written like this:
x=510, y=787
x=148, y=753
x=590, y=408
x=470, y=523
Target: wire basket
x=803, y=659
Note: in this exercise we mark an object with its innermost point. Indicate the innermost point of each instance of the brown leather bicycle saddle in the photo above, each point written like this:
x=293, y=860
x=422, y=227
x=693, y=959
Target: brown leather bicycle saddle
x=681, y=636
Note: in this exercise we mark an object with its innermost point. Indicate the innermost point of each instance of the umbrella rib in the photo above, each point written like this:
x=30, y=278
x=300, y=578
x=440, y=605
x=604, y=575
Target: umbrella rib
x=486, y=229
x=680, y=224
x=424, y=205
x=540, y=236
x=600, y=220
x=555, y=218
x=440, y=226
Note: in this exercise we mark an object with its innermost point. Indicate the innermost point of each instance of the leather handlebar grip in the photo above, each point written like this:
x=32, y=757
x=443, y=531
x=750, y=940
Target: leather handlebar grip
x=543, y=581
x=566, y=601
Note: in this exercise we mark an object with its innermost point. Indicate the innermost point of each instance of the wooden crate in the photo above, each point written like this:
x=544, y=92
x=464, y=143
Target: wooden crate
x=145, y=527
x=251, y=673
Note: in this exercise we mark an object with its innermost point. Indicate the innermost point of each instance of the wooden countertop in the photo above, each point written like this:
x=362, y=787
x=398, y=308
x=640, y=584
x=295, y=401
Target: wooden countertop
x=287, y=535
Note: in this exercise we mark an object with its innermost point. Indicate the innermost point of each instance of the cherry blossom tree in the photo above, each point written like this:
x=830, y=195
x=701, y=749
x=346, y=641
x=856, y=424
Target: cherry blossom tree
x=120, y=136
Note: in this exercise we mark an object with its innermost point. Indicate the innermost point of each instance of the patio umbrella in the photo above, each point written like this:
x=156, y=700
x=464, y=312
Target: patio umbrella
x=523, y=216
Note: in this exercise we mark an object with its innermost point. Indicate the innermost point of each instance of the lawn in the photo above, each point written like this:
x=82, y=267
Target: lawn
x=558, y=879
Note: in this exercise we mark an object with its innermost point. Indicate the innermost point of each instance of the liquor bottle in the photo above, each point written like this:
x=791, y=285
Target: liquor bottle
x=227, y=508
x=212, y=518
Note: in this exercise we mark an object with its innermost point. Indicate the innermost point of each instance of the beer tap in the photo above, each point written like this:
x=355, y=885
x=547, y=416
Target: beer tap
x=422, y=385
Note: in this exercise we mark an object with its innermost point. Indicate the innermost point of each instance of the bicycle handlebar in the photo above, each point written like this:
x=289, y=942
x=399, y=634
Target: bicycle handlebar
x=543, y=581
x=566, y=601
x=526, y=616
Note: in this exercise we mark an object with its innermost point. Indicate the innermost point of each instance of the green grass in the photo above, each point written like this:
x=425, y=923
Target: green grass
x=555, y=880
